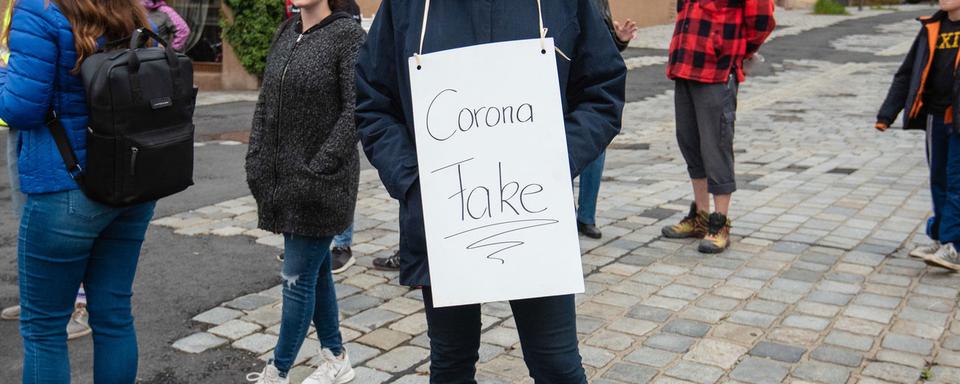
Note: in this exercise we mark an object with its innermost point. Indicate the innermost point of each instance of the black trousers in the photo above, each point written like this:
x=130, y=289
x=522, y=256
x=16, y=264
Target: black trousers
x=548, y=334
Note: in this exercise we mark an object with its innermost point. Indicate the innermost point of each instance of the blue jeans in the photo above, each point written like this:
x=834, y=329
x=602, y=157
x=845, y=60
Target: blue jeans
x=16, y=196
x=943, y=148
x=548, y=335
x=67, y=239
x=344, y=239
x=589, y=190
x=308, y=294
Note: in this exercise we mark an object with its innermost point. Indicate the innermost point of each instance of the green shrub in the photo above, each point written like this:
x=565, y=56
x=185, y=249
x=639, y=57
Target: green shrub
x=254, y=23
x=829, y=7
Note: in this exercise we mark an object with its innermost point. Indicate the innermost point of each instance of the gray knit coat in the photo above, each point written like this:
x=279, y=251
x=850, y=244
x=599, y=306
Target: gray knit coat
x=302, y=163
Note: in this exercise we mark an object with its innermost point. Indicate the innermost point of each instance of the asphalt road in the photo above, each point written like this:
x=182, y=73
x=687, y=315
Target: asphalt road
x=182, y=276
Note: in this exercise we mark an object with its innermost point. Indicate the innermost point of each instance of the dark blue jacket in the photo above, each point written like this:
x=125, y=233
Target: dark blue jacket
x=906, y=91
x=42, y=55
x=591, y=85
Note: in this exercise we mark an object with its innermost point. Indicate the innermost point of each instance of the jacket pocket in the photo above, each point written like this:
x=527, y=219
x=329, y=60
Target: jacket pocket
x=159, y=164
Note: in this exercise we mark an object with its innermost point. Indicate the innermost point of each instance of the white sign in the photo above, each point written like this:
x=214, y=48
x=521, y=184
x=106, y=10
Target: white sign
x=494, y=174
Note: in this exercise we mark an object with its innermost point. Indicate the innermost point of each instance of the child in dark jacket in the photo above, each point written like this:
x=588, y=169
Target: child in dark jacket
x=925, y=88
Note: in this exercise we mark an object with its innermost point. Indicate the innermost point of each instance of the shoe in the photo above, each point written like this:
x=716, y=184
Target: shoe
x=332, y=369
x=342, y=258
x=79, y=326
x=946, y=257
x=694, y=225
x=280, y=257
x=589, y=230
x=391, y=263
x=718, y=234
x=925, y=251
x=10, y=313
x=270, y=375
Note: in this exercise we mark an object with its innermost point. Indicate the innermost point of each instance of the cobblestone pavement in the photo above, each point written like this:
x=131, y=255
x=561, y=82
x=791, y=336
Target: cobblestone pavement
x=816, y=288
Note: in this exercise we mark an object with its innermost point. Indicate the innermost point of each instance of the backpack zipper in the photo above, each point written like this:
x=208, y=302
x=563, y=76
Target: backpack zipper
x=133, y=160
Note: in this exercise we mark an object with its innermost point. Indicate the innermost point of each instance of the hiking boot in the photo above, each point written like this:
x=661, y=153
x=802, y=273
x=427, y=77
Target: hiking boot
x=718, y=234
x=269, y=375
x=589, y=230
x=694, y=225
x=925, y=251
x=10, y=313
x=341, y=259
x=946, y=257
x=79, y=325
x=391, y=263
x=332, y=369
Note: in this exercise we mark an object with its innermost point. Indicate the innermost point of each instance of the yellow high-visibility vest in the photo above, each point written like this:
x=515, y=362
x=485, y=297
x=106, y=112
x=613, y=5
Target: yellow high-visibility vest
x=4, y=52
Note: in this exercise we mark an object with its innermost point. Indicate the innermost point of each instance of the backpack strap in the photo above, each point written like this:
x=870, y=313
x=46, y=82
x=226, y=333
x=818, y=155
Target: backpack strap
x=59, y=134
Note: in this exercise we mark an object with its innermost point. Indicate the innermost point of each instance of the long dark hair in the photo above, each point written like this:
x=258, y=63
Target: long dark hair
x=348, y=6
x=93, y=19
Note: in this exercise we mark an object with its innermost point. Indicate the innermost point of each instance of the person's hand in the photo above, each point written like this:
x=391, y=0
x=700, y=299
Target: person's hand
x=881, y=126
x=626, y=31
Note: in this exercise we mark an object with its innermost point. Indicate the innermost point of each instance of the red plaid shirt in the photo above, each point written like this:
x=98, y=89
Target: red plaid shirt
x=712, y=37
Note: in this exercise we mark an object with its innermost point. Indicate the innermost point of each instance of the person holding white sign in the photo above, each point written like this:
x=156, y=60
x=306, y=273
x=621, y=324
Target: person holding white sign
x=492, y=107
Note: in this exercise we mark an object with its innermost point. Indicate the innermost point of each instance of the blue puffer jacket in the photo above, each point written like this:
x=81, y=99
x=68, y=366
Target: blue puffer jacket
x=42, y=54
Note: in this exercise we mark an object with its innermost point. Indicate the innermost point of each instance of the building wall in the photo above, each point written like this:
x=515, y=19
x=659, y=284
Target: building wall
x=644, y=12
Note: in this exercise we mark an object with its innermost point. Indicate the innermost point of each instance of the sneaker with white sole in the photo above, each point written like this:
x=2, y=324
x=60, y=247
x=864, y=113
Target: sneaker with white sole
x=925, y=251
x=269, y=375
x=332, y=369
x=79, y=325
x=946, y=257
x=10, y=313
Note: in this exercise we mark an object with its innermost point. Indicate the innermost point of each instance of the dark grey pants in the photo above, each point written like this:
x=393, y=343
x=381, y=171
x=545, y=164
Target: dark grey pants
x=705, y=123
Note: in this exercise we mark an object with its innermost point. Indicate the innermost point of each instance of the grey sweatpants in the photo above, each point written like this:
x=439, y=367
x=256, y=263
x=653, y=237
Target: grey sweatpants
x=705, y=123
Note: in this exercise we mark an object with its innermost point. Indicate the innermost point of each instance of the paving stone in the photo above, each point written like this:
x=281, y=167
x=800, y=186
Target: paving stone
x=234, y=329
x=595, y=357
x=630, y=373
x=613, y=341
x=821, y=372
x=250, y=302
x=892, y=372
x=371, y=319
x=841, y=356
x=907, y=344
x=371, y=376
x=681, y=292
x=399, y=359
x=737, y=333
x=384, y=338
x=779, y=352
x=927, y=317
x=653, y=357
x=849, y=340
x=198, y=342
x=587, y=324
x=695, y=372
x=360, y=353
x=827, y=297
x=504, y=337
x=752, y=318
x=859, y=326
x=217, y=316
x=357, y=303
x=794, y=336
x=645, y=312
x=879, y=301
x=766, y=306
x=632, y=326
x=902, y=358
x=412, y=325
x=759, y=371
x=257, y=343
x=716, y=352
x=670, y=342
x=869, y=313
x=806, y=322
x=413, y=379
x=687, y=328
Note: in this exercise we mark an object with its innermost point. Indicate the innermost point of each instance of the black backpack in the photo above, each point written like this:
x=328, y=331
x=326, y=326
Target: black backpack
x=140, y=129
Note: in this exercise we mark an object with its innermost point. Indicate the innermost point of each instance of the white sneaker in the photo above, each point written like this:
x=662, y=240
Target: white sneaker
x=10, y=313
x=946, y=257
x=925, y=251
x=332, y=369
x=270, y=375
x=79, y=325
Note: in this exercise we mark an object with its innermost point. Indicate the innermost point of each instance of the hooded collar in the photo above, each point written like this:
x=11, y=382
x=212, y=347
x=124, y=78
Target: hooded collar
x=323, y=23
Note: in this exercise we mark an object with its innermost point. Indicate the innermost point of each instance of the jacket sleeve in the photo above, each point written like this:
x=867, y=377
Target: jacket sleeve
x=26, y=95
x=759, y=20
x=595, y=91
x=380, y=116
x=182, y=28
x=896, y=98
x=343, y=138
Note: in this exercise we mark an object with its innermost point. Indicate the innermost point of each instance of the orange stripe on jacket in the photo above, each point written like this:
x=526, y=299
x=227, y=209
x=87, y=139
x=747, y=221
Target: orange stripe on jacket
x=933, y=32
